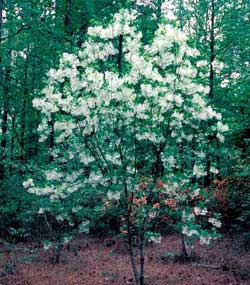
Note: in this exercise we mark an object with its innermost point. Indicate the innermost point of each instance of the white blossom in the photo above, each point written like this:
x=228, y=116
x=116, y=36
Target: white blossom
x=224, y=83
x=199, y=171
x=222, y=127
x=199, y=211
x=214, y=170
x=28, y=183
x=155, y=239
x=41, y=211
x=53, y=175
x=216, y=223
x=113, y=195
x=205, y=240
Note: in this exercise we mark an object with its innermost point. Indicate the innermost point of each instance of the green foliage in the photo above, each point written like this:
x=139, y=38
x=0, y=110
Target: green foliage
x=17, y=210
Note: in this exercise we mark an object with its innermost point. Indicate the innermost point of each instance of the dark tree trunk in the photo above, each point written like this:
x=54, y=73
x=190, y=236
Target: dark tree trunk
x=184, y=253
x=51, y=137
x=142, y=249
x=212, y=52
x=13, y=119
x=5, y=110
x=120, y=54
x=23, y=113
x=4, y=128
x=211, y=84
x=68, y=20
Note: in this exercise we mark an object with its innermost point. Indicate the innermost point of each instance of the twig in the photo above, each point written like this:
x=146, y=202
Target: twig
x=206, y=265
x=13, y=35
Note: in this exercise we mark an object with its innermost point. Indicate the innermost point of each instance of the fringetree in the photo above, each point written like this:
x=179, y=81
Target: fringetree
x=129, y=133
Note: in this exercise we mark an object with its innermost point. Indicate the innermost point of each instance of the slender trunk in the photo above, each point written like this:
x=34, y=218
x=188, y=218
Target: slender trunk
x=184, y=253
x=158, y=167
x=142, y=249
x=211, y=84
x=23, y=114
x=1, y=23
x=129, y=228
x=4, y=125
x=12, y=143
x=58, y=252
x=212, y=52
x=22, y=136
x=4, y=111
x=32, y=138
x=193, y=143
x=131, y=251
x=68, y=20
x=120, y=54
x=51, y=137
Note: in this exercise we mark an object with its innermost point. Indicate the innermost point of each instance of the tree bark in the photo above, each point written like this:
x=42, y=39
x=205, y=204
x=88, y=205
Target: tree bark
x=142, y=249
x=207, y=179
x=68, y=20
x=4, y=81
x=184, y=253
x=4, y=108
x=13, y=119
x=23, y=114
x=51, y=137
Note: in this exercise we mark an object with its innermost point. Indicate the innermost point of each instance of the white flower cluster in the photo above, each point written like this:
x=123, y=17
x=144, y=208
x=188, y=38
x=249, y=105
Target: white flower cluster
x=28, y=183
x=120, y=26
x=216, y=223
x=146, y=3
x=199, y=171
x=198, y=211
x=53, y=175
x=113, y=195
x=190, y=233
x=155, y=239
x=205, y=240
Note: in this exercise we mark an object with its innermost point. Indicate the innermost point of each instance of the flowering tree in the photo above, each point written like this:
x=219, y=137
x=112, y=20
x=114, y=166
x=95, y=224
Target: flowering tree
x=129, y=120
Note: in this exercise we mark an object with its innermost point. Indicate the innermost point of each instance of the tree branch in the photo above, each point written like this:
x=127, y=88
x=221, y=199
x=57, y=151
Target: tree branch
x=13, y=35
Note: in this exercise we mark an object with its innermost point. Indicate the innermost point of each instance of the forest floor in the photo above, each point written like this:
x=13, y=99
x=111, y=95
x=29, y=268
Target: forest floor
x=92, y=262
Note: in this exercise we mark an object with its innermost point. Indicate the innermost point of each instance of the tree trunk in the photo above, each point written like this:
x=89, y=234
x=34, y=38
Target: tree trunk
x=211, y=84
x=51, y=137
x=5, y=110
x=129, y=209
x=120, y=54
x=4, y=127
x=13, y=119
x=68, y=20
x=23, y=114
x=212, y=52
x=184, y=253
x=142, y=249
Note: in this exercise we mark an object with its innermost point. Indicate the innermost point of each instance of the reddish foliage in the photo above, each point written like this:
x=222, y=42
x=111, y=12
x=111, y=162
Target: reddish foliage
x=171, y=203
x=160, y=184
x=142, y=185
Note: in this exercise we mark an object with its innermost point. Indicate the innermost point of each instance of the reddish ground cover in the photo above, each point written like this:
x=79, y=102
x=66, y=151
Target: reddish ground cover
x=105, y=262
